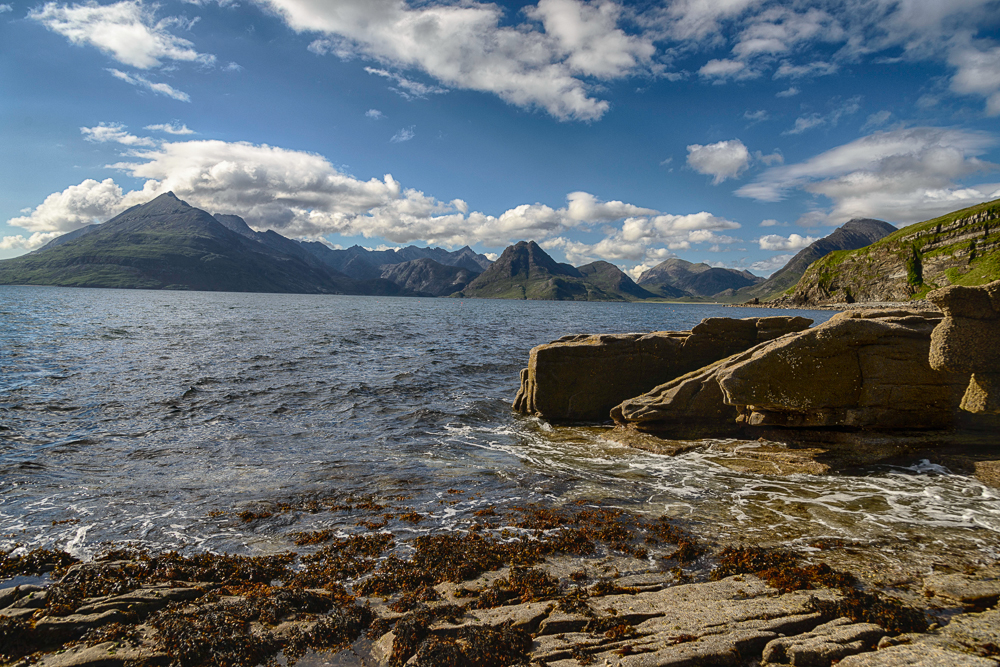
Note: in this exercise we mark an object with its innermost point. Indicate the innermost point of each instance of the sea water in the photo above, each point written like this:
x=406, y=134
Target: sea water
x=154, y=417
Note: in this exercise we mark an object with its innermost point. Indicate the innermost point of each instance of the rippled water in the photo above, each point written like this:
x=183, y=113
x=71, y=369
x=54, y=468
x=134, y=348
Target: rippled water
x=141, y=416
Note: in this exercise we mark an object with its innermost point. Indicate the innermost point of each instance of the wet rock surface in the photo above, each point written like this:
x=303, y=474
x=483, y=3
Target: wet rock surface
x=580, y=378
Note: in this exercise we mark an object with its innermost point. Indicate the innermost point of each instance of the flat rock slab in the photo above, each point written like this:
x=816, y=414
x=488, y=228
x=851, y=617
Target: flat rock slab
x=824, y=645
x=916, y=656
x=108, y=654
x=970, y=591
x=718, y=623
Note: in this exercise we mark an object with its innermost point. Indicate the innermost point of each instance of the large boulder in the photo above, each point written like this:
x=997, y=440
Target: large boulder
x=580, y=378
x=861, y=370
x=967, y=342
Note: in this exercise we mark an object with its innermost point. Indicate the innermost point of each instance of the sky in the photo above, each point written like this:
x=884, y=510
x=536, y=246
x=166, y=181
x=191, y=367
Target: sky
x=731, y=132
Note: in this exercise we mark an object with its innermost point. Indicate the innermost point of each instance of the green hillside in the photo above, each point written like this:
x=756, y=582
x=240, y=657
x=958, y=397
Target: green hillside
x=960, y=248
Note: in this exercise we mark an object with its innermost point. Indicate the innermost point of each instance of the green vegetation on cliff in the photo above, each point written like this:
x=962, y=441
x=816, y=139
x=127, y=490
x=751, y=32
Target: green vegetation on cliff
x=960, y=248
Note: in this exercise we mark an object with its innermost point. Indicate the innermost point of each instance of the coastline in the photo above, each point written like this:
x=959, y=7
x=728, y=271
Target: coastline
x=550, y=586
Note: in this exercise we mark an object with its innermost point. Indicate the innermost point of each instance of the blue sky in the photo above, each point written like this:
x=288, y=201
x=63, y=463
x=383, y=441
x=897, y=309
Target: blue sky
x=732, y=132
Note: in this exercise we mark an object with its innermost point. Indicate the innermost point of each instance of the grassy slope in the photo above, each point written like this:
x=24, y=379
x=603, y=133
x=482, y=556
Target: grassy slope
x=912, y=242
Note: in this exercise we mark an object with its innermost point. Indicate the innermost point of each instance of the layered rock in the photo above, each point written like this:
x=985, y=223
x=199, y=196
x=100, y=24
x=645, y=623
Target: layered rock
x=860, y=370
x=580, y=378
x=967, y=342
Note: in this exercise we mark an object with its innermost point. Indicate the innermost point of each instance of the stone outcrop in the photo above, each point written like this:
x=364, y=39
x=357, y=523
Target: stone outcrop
x=859, y=370
x=967, y=342
x=580, y=378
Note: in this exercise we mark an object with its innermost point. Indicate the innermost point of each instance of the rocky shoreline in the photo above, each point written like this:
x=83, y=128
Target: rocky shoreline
x=867, y=386
x=540, y=586
x=589, y=583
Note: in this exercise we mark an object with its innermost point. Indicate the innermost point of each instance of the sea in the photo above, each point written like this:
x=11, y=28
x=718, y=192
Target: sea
x=159, y=418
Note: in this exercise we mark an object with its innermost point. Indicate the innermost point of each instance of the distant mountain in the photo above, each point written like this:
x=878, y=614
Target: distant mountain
x=167, y=244
x=429, y=278
x=854, y=234
x=701, y=280
x=611, y=280
x=525, y=271
x=364, y=264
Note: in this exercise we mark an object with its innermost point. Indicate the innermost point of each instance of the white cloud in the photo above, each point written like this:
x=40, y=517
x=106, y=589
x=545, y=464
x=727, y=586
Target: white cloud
x=374, y=114
x=790, y=92
x=301, y=194
x=769, y=266
x=404, y=134
x=127, y=31
x=697, y=20
x=33, y=242
x=819, y=68
x=471, y=45
x=903, y=175
x=6, y=8
x=769, y=223
x=158, y=88
x=722, y=69
x=76, y=206
x=406, y=88
x=585, y=207
x=758, y=116
x=722, y=160
x=978, y=73
x=778, y=30
x=649, y=240
x=115, y=132
x=809, y=121
x=877, y=120
x=170, y=128
x=793, y=242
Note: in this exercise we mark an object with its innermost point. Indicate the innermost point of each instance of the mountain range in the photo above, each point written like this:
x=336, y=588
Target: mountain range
x=525, y=271
x=168, y=244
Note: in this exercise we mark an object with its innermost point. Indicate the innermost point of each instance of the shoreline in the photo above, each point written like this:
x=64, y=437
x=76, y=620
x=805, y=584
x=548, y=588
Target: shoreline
x=554, y=585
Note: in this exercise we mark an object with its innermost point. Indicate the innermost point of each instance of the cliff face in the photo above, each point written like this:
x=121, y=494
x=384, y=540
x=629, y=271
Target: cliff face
x=961, y=248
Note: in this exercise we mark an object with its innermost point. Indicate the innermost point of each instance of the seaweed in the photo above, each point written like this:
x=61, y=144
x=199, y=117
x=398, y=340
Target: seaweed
x=890, y=614
x=34, y=563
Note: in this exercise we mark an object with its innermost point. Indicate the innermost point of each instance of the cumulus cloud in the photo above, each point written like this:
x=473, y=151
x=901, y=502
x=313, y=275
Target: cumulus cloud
x=158, y=88
x=301, y=194
x=471, y=45
x=793, y=242
x=6, y=8
x=115, y=132
x=790, y=92
x=77, y=206
x=127, y=31
x=768, y=266
x=722, y=160
x=33, y=242
x=901, y=175
x=170, y=128
x=374, y=114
